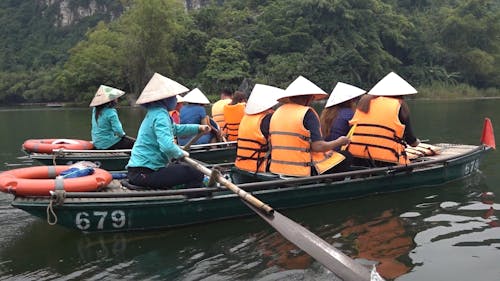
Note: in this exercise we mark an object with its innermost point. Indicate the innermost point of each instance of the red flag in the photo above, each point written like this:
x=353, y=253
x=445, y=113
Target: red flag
x=488, y=137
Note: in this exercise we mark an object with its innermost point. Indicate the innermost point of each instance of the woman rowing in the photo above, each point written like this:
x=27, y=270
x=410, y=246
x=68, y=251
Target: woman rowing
x=107, y=131
x=151, y=162
x=193, y=112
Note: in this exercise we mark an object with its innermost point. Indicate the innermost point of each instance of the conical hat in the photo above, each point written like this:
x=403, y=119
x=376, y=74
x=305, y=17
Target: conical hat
x=196, y=96
x=262, y=98
x=179, y=98
x=392, y=85
x=303, y=87
x=343, y=92
x=160, y=87
x=105, y=94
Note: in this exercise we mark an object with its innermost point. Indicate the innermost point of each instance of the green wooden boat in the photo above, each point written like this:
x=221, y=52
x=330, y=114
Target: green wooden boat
x=118, y=208
x=116, y=160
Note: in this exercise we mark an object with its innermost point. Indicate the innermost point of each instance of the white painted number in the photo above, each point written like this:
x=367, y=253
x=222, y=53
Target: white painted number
x=102, y=216
x=83, y=220
x=118, y=218
x=471, y=167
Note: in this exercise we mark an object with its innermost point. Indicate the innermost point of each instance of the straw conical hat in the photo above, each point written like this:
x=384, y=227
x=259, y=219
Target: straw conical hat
x=303, y=87
x=196, y=96
x=105, y=94
x=262, y=98
x=392, y=85
x=160, y=87
x=343, y=92
x=179, y=98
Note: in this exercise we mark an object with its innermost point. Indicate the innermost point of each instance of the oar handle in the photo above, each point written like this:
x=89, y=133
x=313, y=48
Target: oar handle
x=240, y=192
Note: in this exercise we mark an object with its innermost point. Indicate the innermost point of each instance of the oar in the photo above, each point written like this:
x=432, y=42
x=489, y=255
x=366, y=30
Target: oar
x=192, y=140
x=339, y=263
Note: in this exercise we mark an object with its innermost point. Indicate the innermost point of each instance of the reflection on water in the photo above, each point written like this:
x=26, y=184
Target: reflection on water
x=384, y=240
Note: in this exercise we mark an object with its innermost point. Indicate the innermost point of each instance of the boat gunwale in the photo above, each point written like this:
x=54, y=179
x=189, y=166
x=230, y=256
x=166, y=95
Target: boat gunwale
x=280, y=185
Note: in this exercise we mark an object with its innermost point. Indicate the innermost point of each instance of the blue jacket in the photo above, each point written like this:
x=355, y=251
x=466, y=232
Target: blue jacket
x=107, y=130
x=155, y=145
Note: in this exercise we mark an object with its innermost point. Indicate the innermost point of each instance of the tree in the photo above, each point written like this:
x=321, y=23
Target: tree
x=227, y=64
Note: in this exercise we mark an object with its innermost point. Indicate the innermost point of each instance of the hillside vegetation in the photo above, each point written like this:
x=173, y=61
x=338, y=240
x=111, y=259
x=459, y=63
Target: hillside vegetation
x=433, y=44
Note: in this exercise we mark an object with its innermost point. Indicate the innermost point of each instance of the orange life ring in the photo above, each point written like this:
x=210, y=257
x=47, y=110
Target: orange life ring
x=48, y=145
x=39, y=180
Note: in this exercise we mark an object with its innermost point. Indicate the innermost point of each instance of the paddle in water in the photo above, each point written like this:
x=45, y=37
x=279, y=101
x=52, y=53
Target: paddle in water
x=333, y=259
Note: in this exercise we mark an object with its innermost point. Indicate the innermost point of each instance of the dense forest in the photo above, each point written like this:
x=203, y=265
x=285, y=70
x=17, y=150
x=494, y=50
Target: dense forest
x=447, y=47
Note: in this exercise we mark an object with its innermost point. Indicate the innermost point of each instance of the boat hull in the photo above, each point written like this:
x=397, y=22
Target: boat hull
x=136, y=211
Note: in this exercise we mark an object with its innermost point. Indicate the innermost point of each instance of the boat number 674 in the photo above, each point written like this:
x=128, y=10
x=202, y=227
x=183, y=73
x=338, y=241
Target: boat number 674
x=84, y=220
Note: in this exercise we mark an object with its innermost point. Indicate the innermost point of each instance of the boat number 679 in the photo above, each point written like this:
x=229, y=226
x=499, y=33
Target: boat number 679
x=471, y=167
x=84, y=220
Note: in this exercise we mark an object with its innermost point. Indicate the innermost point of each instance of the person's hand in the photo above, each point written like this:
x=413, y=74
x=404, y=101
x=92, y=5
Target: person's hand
x=416, y=143
x=184, y=154
x=205, y=129
x=343, y=140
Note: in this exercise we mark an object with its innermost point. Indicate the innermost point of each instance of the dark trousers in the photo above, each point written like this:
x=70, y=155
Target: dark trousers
x=124, y=143
x=173, y=175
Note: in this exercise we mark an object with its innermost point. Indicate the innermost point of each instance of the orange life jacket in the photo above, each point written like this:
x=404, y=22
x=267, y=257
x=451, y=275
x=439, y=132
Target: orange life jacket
x=232, y=116
x=175, y=116
x=218, y=112
x=291, y=144
x=251, y=154
x=378, y=133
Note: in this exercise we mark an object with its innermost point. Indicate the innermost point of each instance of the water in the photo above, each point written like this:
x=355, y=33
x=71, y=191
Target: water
x=448, y=232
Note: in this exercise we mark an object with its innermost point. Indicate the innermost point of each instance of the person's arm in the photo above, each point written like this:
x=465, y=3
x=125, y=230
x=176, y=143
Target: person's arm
x=165, y=136
x=116, y=125
x=408, y=136
x=264, y=125
x=311, y=123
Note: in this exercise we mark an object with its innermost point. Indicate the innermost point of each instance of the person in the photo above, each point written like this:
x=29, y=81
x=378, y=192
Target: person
x=107, y=131
x=339, y=109
x=226, y=96
x=193, y=112
x=253, y=135
x=151, y=161
x=175, y=114
x=233, y=112
x=383, y=127
x=297, y=146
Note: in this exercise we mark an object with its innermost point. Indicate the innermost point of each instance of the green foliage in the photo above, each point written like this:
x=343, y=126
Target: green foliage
x=227, y=63
x=433, y=44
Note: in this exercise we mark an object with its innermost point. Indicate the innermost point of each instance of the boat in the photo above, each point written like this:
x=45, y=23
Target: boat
x=119, y=207
x=116, y=160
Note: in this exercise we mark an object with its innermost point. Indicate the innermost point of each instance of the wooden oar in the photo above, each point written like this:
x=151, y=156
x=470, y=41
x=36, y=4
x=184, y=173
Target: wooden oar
x=342, y=265
x=192, y=141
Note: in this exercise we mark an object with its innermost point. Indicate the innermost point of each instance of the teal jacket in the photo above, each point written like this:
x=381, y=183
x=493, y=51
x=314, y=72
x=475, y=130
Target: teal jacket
x=155, y=145
x=107, y=130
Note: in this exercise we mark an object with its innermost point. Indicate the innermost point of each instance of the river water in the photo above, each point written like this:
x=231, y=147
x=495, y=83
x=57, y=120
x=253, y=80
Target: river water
x=448, y=232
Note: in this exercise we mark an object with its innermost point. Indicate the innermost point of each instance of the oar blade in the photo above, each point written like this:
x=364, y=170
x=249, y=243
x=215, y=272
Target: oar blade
x=333, y=259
